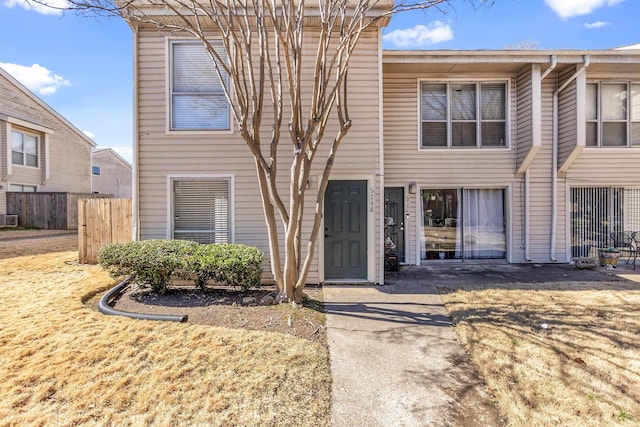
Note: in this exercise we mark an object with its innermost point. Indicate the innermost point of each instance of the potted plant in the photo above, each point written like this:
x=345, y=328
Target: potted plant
x=608, y=256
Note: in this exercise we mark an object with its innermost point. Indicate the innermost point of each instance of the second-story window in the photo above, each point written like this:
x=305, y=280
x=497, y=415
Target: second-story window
x=24, y=149
x=197, y=101
x=469, y=114
x=613, y=114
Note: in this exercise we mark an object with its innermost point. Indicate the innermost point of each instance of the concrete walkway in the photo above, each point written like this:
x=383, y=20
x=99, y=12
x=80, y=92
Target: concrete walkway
x=395, y=360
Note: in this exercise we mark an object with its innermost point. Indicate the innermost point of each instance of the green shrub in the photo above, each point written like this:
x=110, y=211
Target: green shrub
x=155, y=262
x=149, y=262
x=230, y=264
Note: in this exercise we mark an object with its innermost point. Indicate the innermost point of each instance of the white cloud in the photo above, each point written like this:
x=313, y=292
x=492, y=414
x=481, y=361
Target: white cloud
x=44, y=7
x=420, y=35
x=629, y=47
x=89, y=134
x=36, y=78
x=597, y=24
x=569, y=8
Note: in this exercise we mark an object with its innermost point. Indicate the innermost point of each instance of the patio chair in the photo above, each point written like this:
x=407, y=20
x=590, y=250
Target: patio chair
x=626, y=243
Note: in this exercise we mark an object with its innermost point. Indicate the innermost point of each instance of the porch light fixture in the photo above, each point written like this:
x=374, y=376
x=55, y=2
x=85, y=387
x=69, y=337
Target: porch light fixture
x=413, y=188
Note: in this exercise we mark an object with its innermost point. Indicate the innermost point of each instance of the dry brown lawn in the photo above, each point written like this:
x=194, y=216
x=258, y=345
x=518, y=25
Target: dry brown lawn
x=63, y=363
x=558, y=353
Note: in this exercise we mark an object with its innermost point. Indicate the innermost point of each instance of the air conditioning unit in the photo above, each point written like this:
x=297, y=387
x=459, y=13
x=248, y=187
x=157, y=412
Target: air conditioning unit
x=8, y=220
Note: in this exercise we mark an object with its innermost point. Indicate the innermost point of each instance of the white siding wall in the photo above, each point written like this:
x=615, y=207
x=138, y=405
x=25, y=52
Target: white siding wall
x=162, y=154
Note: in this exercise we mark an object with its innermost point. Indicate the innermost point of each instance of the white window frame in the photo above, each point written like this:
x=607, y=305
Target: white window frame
x=599, y=119
x=230, y=179
x=479, y=121
x=170, y=42
x=13, y=187
x=24, y=154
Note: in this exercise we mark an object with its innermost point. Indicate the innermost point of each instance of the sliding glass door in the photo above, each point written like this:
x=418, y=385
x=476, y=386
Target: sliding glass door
x=600, y=213
x=463, y=224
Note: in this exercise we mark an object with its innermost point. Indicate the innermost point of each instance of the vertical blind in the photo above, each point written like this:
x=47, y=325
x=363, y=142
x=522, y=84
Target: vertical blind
x=597, y=212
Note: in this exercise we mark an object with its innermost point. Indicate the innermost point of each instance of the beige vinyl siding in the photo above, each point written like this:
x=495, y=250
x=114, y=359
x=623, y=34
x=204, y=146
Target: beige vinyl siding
x=435, y=168
x=69, y=154
x=25, y=175
x=540, y=182
x=3, y=151
x=602, y=167
x=115, y=175
x=188, y=154
x=527, y=120
x=567, y=116
x=615, y=166
x=606, y=167
x=515, y=205
x=524, y=108
x=540, y=189
x=29, y=175
x=69, y=163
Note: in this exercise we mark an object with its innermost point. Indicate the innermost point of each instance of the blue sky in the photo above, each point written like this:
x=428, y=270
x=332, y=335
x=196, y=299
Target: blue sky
x=82, y=67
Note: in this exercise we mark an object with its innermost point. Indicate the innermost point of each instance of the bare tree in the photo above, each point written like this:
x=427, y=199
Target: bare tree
x=263, y=50
x=527, y=44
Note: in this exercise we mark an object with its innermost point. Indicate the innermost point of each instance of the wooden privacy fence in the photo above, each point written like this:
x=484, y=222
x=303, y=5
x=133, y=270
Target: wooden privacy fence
x=47, y=210
x=100, y=223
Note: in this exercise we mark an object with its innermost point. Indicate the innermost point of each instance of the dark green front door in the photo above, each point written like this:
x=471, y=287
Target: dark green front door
x=345, y=235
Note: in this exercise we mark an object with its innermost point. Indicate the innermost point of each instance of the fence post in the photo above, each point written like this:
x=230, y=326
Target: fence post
x=82, y=230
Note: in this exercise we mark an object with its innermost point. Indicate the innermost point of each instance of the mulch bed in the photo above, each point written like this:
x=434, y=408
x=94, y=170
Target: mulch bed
x=224, y=307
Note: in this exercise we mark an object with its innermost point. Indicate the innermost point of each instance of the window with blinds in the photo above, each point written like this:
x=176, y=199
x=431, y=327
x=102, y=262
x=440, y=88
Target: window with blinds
x=198, y=101
x=613, y=114
x=202, y=210
x=463, y=114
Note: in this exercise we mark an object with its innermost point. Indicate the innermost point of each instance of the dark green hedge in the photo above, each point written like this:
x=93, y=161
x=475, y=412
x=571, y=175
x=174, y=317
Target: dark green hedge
x=155, y=262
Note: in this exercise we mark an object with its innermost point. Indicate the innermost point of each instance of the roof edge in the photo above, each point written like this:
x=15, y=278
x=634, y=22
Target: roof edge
x=510, y=56
x=46, y=106
x=109, y=149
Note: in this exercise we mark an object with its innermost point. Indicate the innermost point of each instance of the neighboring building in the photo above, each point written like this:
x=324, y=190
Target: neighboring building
x=450, y=157
x=39, y=149
x=110, y=174
x=476, y=130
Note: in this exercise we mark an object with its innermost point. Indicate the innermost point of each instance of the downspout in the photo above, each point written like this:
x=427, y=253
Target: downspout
x=527, y=191
x=90, y=168
x=554, y=62
x=554, y=156
x=135, y=193
x=527, y=255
